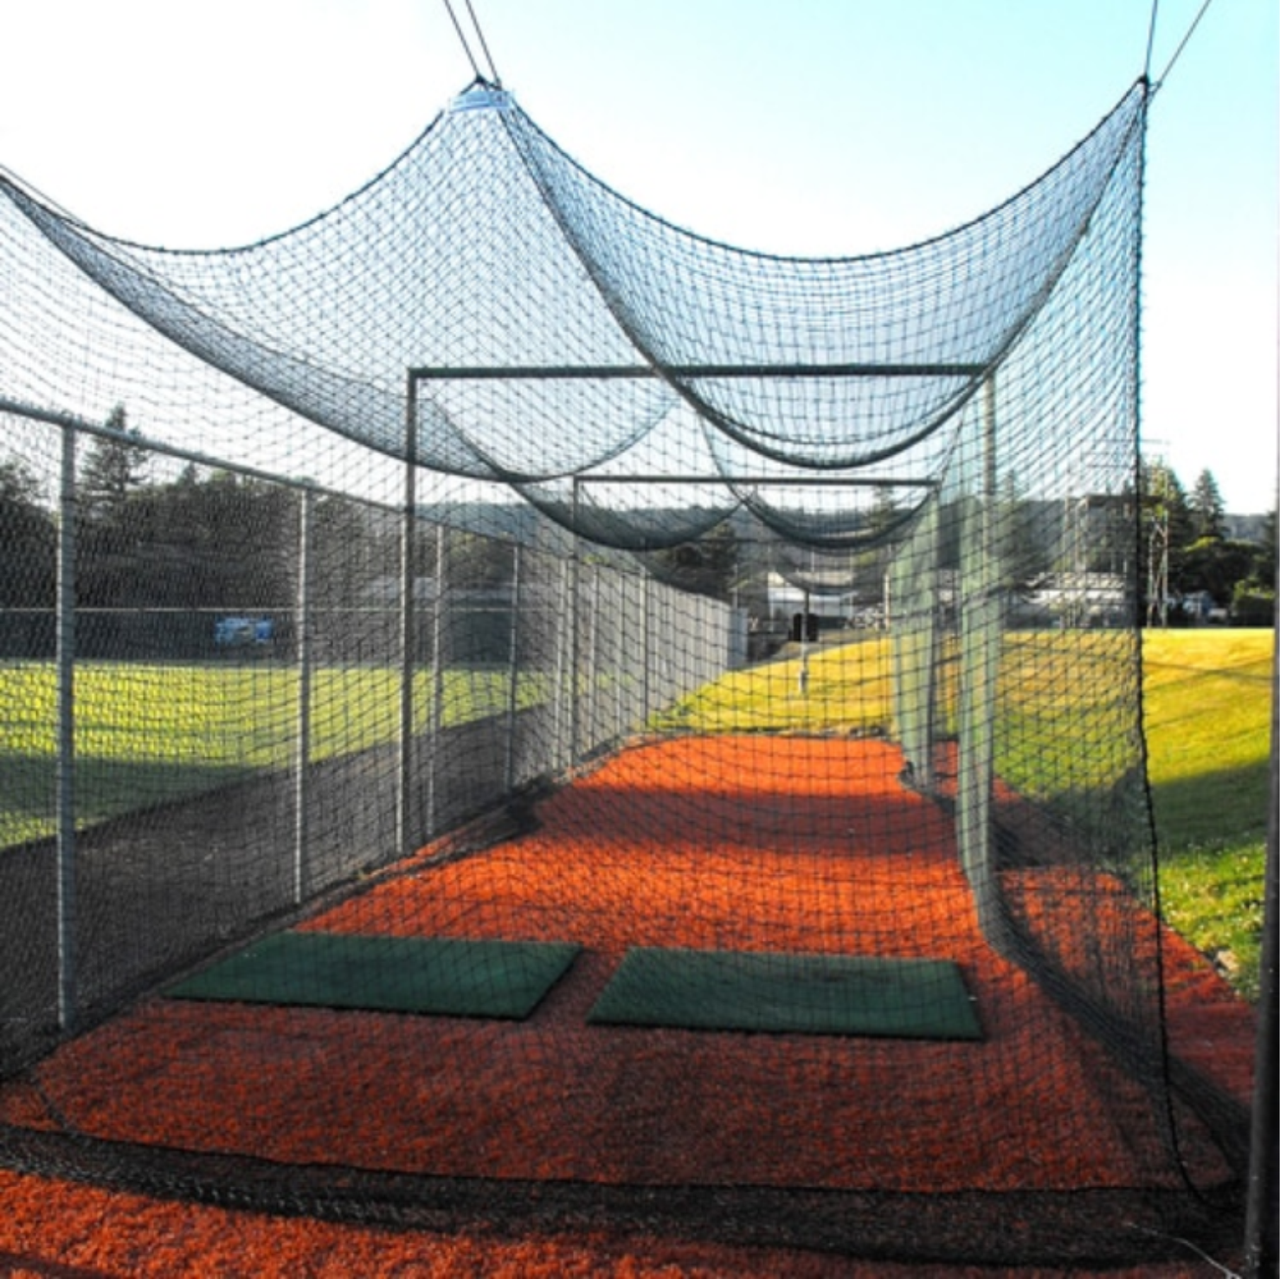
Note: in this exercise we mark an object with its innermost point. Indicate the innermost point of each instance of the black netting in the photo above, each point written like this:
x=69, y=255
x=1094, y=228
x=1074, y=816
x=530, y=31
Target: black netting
x=488, y=575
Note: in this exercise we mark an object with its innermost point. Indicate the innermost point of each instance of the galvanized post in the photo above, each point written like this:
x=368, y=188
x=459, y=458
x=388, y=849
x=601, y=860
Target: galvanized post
x=593, y=673
x=1262, y=1248
x=408, y=630
x=646, y=607
x=513, y=672
x=621, y=581
x=66, y=766
x=980, y=652
x=575, y=603
x=562, y=644
x=435, y=709
x=301, y=817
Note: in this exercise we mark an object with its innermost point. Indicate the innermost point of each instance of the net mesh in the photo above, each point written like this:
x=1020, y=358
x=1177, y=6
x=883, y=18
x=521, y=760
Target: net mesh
x=488, y=559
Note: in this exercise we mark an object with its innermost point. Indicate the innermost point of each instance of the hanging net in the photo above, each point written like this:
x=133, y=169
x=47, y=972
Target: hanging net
x=514, y=711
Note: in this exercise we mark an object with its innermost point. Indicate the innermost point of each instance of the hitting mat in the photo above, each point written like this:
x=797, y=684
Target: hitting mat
x=444, y=976
x=801, y=993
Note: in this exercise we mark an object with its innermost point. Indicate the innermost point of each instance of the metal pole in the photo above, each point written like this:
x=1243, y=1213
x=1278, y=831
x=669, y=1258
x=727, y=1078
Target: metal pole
x=66, y=766
x=646, y=607
x=435, y=718
x=621, y=583
x=593, y=672
x=301, y=818
x=1262, y=1192
x=563, y=620
x=804, y=645
x=408, y=631
x=574, y=654
x=513, y=671
x=980, y=647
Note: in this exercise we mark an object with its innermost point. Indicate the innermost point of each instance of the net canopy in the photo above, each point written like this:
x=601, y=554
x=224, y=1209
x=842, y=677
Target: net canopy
x=688, y=697
x=635, y=381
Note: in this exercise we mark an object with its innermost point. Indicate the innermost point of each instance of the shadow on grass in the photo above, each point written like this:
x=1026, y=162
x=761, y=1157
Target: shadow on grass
x=1212, y=809
x=104, y=789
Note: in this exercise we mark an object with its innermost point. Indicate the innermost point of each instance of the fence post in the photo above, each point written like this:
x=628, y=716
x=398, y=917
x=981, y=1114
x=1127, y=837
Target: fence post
x=513, y=672
x=435, y=711
x=621, y=581
x=594, y=733
x=646, y=607
x=66, y=765
x=980, y=655
x=408, y=632
x=301, y=817
x=563, y=623
x=575, y=646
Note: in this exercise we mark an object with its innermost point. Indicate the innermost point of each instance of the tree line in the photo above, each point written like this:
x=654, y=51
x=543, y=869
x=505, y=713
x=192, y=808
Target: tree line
x=207, y=538
x=1191, y=559
x=215, y=539
x=1177, y=544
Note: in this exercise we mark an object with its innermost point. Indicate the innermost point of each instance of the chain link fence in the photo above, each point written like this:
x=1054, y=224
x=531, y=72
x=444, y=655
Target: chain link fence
x=226, y=693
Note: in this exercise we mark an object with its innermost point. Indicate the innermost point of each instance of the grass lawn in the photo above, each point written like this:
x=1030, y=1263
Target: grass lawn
x=1207, y=705
x=152, y=733
x=1208, y=719
x=844, y=687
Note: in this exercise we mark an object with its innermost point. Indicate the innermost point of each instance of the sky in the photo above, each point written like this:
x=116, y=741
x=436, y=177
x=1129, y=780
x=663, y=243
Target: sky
x=795, y=126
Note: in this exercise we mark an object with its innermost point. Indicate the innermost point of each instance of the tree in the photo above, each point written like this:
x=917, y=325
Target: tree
x=28, y=538
x=478, y=562
x=1205, y=508
x=708, y=566
x=1265, y=566
x=1167, y=531
x=1216, y=565
x=113, y=468
x=1253, y=598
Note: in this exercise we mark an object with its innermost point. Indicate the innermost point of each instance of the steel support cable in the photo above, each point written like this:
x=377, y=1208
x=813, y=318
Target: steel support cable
x=457, y=26
x=1182, y=44
x=484, y=45
x=1151, y=40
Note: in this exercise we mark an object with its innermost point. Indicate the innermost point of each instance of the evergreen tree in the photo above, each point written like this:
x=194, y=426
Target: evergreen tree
x=28, y=540
x=1265, y=567
x=1208, y=514
x=113, y=467
x=708, y=566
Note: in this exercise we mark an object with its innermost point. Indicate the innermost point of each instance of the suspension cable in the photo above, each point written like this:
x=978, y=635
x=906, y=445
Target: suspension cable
x=1177, y=53
x=484, y=45
x=1151, y=41
x=457, y=26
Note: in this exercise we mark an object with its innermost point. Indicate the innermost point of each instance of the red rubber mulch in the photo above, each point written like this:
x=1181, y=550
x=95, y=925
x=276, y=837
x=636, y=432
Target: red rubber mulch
x=732, y=843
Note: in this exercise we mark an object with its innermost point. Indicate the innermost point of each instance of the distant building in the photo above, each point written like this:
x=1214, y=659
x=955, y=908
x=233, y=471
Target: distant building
x=1075, y=599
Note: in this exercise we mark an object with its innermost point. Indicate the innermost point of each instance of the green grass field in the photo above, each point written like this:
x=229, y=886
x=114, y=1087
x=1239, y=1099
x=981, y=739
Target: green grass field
x=845, y=688
x=1208, y=706
x=1207, y=700
x=148, y=734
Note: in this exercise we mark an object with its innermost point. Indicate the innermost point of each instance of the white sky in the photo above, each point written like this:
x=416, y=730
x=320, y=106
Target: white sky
x=799, y=126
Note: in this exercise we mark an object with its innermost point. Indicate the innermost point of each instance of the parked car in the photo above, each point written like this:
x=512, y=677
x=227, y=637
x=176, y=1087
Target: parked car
x=237, y=632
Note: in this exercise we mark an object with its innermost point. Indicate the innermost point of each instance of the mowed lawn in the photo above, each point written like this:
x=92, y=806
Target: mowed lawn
x=153, y=733
x=1207, y=700
x=149, y=734
x=1207, y=706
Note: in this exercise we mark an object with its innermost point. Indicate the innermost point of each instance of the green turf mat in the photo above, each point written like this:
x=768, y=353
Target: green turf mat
x=805, y=993
x=441, y=975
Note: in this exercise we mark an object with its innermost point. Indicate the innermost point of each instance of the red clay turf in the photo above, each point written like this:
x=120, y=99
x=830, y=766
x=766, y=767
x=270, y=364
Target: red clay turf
x=747, y=843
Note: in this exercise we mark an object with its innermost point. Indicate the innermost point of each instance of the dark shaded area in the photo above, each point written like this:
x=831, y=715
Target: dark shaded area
x=1073, y=1229
x=163, y=889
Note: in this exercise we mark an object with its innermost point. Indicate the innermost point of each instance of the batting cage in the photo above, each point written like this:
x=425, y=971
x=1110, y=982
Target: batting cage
x=515, y=712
